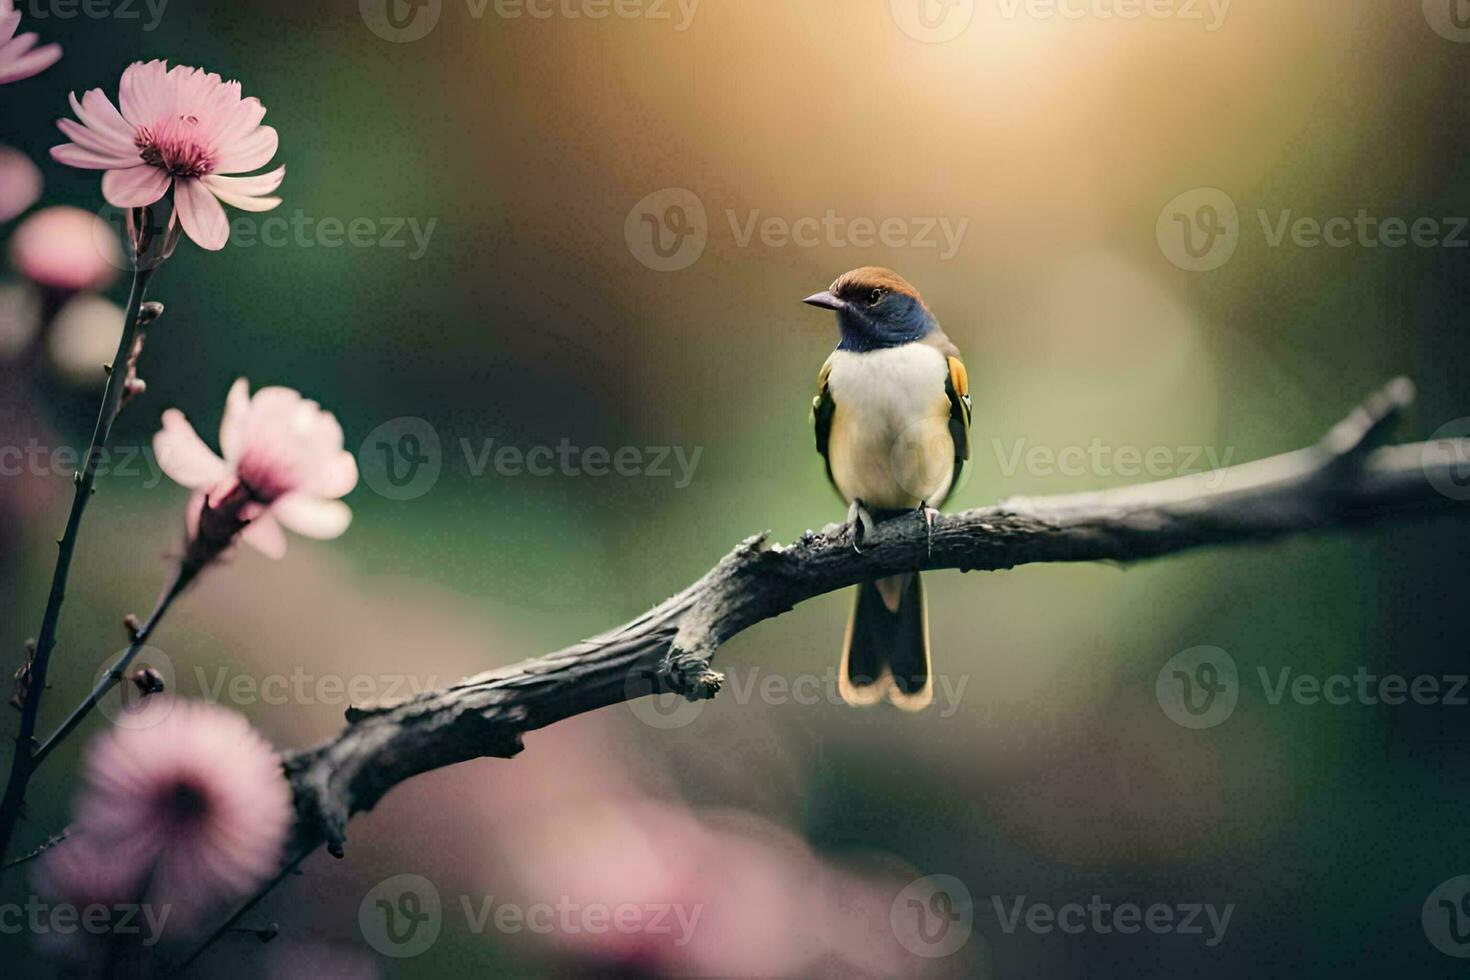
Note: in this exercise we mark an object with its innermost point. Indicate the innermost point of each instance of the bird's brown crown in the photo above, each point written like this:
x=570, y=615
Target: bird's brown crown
x=860, y=282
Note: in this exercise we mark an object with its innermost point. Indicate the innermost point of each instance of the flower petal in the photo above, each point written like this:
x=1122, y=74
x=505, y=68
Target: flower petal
x=98, y=114
x=143, y=94
x=336, y=478
x=265, y=536
x=99, y=143
x=183, y=456
x=135, y=187
x=247, y=193
x=201, y=214
x=232, y=425
x=312, y=516
x=76, y=156
x=30, y=64
x=251, y=152
x=248, y=186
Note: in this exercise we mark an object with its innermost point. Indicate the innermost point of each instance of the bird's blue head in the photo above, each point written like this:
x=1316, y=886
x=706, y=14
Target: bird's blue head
x=876, y=308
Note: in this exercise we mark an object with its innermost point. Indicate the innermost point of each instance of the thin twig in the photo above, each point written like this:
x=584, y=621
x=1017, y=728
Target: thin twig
x=115, y=673
x=242, y=911
x=25, y=858
x=23, y=763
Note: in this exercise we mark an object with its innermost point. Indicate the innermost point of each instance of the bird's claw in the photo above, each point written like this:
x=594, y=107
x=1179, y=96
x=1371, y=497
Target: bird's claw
x=861, y=524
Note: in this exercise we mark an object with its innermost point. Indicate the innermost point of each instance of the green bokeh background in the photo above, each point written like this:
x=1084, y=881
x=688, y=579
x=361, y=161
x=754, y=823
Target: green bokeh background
x=530, y=320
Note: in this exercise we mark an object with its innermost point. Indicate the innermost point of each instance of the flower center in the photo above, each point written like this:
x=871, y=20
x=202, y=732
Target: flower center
x=174, y=146
x=187, y=802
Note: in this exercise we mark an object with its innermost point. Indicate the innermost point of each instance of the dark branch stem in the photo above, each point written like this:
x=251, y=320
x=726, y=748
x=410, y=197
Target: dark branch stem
x=24, y=761
x=1341, y=482
x=286, y=871
x=115, y=673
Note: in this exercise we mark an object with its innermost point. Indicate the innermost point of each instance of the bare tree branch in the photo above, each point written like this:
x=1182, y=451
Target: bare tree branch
x=1342, y=481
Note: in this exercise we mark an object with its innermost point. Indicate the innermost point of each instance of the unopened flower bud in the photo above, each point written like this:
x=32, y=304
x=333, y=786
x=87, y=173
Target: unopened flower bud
x=148, y=681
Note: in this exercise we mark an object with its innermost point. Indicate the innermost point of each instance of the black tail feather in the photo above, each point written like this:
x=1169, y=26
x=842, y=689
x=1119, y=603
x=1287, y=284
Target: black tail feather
x=886, y=651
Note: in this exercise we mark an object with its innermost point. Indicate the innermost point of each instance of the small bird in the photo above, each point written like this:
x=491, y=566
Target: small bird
x=892, y=420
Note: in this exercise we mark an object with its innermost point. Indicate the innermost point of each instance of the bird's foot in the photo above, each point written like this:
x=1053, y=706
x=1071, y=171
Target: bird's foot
x=860, y=522
x=927, y=514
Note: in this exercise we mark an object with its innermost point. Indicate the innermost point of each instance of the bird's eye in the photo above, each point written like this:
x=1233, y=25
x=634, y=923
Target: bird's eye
x=876, y=296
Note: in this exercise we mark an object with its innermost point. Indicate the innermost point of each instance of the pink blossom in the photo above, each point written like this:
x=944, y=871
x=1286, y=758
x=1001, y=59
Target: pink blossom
x=20, y=183
x=186, y=808
x=178, y=128
x=66, y=248
x=283, y=465
x=19, y=56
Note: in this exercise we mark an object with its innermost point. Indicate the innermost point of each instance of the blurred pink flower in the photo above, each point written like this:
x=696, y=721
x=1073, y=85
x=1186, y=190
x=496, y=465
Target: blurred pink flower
x=723, y=894
x=182, y=128
x=20, y=183
x=186, y=808
x=66, y=248
x=19, y=56
x=283, y=464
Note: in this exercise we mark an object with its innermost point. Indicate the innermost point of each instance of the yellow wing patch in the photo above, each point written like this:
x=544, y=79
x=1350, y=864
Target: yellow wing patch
x=959, y=377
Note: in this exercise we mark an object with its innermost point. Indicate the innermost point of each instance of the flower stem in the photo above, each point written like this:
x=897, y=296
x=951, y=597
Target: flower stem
x=23, y=763
x=110, y=679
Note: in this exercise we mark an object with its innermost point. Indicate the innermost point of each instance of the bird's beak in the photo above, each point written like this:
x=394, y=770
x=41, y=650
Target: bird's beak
x=825, y=300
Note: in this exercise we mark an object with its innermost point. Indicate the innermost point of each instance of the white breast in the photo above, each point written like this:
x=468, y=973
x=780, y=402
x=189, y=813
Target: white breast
x=890, y=445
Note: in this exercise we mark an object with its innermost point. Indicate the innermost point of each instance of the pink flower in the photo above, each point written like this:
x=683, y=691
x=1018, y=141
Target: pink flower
x=283, y=464
x=20, y=183
x=178, y=128
x=186, y=808
x=19, y=56
x=66, y=248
